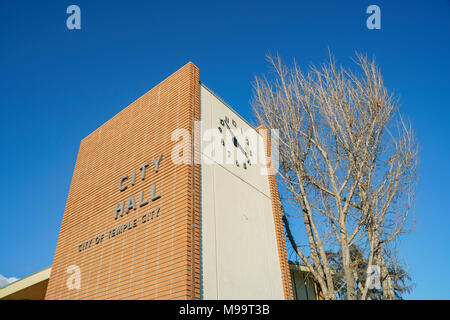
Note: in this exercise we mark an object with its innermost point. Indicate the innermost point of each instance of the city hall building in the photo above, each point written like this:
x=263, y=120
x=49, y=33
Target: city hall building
x=169, y=200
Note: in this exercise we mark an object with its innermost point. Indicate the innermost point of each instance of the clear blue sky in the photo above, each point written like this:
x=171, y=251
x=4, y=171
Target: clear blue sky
x=57, y=86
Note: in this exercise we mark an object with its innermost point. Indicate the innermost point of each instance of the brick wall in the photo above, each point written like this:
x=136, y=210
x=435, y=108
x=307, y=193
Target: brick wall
x=158, y=258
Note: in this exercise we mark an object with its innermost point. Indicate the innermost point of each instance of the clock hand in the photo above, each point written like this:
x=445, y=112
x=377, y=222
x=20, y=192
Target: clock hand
x=238, y=144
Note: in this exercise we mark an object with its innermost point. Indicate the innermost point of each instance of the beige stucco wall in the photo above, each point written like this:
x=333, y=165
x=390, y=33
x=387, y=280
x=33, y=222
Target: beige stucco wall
x=239, y=257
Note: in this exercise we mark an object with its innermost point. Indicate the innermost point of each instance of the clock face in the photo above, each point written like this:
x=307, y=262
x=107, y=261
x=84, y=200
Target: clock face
x=235, y=143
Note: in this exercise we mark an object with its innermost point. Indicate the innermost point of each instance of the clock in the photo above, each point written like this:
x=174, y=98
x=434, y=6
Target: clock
x=239, y=143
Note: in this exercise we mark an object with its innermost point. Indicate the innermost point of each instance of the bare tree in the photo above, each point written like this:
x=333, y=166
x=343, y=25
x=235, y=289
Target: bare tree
x=398, y=273
x=347, y=166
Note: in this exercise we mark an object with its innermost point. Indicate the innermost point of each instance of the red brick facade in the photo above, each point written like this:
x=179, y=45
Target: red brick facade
x=154, y=258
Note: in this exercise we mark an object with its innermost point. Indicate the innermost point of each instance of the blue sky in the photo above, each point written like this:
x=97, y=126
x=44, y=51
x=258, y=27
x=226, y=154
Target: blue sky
x=58, y=85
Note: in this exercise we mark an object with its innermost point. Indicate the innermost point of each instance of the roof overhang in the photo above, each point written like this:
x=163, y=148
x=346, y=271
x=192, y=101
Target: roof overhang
x=32, y=287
